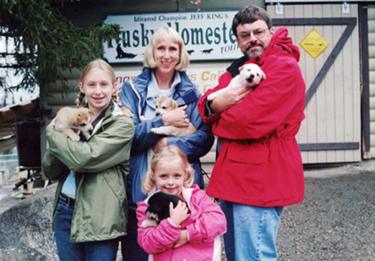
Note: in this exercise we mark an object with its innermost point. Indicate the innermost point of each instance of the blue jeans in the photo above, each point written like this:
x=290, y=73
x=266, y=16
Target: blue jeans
x=130, y=249
x=89, y=251
x=251, y=232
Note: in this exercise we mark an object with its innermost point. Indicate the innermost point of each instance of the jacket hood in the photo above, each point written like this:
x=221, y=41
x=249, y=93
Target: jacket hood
x=281, y=44
x=185, y=89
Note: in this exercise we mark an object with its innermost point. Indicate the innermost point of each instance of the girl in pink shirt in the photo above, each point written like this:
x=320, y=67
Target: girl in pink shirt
x=193, y=229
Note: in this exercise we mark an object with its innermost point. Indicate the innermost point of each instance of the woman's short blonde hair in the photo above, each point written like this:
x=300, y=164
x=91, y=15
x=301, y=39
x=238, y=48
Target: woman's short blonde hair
x=167, y=153
x=166, y=33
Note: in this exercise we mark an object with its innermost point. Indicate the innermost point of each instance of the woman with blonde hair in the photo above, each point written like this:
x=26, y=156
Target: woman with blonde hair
x=163, y=74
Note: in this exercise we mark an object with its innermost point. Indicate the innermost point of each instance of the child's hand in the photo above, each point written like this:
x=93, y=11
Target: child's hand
x=179, y=213
x=182, y=240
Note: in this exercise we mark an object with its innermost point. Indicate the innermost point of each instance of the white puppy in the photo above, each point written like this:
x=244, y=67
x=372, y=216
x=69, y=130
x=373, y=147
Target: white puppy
x=250, y=76
x=164, y=104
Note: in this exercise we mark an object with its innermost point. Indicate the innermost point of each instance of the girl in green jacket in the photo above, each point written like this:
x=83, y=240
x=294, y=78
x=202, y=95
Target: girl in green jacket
x=90, y=211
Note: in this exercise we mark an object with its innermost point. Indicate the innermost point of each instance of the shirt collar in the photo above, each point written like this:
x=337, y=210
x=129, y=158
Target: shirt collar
x=153, y=90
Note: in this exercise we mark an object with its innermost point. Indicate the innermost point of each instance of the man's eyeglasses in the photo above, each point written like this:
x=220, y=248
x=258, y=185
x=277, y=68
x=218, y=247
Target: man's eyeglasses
x=258, y=34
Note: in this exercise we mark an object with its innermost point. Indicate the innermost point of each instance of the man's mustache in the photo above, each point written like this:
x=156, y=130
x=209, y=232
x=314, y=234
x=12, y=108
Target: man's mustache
x=252, y=46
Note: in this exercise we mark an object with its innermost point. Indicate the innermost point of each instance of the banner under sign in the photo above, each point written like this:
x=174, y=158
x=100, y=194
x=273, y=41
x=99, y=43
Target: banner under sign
x=207, y=35
x=203, y=78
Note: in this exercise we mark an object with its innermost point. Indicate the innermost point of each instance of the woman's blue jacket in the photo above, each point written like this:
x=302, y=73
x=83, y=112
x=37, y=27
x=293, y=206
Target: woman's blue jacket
x=133, y=96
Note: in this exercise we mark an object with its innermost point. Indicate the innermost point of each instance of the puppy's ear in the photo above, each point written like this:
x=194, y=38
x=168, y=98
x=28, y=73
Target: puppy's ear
x=173, y=104
x=263, y=75
x=240, y=68
x=79, y=116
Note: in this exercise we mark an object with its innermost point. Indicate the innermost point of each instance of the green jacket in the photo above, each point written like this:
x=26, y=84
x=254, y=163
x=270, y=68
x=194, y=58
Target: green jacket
x=100, y=165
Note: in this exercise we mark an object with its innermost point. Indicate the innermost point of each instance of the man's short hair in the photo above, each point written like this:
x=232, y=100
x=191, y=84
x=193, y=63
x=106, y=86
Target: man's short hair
x=249, y=14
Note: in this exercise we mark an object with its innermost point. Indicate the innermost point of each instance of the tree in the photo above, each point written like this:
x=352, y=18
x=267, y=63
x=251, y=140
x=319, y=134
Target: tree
x=46, y=43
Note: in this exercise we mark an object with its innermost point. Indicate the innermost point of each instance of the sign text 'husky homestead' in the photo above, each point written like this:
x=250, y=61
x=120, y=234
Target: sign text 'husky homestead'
x=207, y=35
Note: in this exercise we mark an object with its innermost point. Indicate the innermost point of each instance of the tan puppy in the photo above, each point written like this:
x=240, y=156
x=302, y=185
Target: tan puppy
x=250, y=76
x=164, y=104
x=70, y=120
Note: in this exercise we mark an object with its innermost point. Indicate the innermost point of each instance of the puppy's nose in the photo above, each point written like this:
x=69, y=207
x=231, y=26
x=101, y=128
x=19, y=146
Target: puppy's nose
x=157, y=114
x=251, y=78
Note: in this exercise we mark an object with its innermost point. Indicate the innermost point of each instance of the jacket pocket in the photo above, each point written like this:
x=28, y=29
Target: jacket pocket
x=116, y=181
x=249, y=152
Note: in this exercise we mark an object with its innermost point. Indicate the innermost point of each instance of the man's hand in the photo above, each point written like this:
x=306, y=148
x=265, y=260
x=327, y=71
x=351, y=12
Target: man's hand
x=177, y=117
x=228, y=98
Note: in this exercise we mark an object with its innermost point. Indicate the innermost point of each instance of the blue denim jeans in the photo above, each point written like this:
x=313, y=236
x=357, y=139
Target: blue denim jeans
x=86, y=251
x=251, y=232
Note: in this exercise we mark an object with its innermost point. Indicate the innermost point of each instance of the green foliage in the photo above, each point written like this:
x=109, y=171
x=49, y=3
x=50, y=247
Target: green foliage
x=46, y=43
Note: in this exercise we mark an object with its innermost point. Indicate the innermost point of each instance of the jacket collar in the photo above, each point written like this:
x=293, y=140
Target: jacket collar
x=185, y=91
x=112, y=110
x=281, y=44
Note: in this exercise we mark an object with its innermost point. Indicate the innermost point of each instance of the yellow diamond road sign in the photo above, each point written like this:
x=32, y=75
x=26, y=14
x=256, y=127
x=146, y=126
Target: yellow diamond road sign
x=313, y=43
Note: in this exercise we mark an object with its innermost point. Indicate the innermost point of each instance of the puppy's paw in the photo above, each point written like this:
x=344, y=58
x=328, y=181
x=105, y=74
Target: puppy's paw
x=148, y=223
x=156, y=130
x=127, y=112
x=74, y=137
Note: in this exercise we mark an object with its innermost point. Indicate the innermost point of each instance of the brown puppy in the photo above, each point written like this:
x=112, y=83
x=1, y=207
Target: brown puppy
x=70, y=120
x=164, y=104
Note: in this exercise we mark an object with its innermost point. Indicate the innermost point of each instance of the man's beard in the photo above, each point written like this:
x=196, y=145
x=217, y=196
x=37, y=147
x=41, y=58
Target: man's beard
x=252, y=52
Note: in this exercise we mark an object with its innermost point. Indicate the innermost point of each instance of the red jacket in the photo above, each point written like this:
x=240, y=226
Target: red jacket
x=259, y=161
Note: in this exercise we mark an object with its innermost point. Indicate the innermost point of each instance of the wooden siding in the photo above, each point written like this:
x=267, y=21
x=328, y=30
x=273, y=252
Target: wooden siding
x=333, y=114
x=371, y=46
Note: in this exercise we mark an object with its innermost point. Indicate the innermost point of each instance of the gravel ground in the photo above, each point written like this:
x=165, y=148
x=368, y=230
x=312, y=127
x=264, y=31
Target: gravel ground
x=335, y=222
x=337, y=219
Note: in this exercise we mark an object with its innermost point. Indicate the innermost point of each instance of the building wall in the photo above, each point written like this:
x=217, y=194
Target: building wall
x=333, y=116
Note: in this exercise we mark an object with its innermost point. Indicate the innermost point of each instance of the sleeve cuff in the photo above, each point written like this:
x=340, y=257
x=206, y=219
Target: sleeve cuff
x=157, y=122
x=173, y=224
x=208, y=112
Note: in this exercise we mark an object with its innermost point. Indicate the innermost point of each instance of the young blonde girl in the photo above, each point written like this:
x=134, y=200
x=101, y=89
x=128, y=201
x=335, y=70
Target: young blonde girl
x=90, y=206
x=184, y=235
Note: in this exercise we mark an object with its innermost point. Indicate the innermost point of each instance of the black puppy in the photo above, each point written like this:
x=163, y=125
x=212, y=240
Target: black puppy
x=158, y=208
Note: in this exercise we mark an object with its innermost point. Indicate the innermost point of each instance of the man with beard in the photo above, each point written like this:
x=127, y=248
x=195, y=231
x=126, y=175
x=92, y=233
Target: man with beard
x=259, y=168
